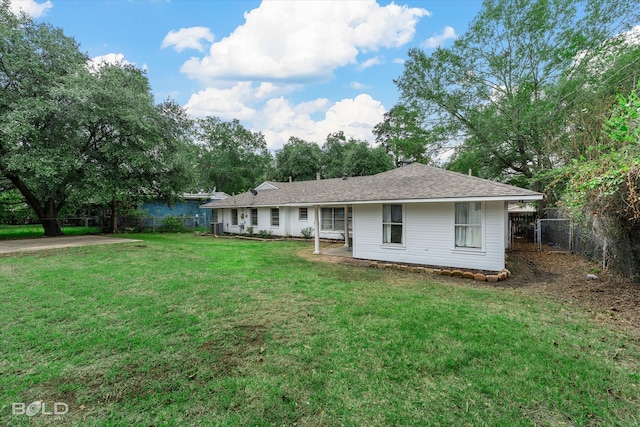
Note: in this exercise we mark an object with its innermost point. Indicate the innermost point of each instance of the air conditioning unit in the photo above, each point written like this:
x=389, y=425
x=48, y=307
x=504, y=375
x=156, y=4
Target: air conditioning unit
x=215, y=228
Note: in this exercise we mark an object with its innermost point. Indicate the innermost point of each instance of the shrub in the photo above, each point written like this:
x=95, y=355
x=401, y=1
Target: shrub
x=307, y=232
x=265, y=234
x=250, y=231
x=172, y=224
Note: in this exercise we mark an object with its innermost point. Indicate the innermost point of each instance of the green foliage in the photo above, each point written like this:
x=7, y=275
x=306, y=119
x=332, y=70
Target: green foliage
x=172, y=224
x=512, y=92
x=265, y=234
x=71, y=134
x=603, y=192
x=403, y=136
x=299, y=160
x=250, y=230
x=231, y=158
x=302, y=160
x=307, y=232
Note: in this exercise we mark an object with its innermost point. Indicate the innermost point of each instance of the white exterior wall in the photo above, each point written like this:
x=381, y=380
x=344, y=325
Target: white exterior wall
x=428, y=236
x=290, y=224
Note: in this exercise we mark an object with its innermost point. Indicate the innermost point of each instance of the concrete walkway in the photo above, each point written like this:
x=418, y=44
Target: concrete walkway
x=44, y=243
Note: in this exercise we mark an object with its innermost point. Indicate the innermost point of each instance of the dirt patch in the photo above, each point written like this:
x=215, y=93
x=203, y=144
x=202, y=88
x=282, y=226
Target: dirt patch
x=610, y=297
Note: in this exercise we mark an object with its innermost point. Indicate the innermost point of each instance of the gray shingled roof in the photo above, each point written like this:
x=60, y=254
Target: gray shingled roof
x=412, y=182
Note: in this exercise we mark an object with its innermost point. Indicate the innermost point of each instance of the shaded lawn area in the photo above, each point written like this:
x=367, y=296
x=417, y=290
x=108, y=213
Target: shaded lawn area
x=184, y=330
x=36, y=230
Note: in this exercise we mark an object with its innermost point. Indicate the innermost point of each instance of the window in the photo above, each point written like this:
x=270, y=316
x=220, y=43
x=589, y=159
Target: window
x=234, y=216
x=332, y=219
x=303, y=214
x=254, y=217
x=214, y=215
x=392, y=224
x=275, y=217
x=468, y=225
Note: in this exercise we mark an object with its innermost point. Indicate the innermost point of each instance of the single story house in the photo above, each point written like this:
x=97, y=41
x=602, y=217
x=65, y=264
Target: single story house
x=414, y=214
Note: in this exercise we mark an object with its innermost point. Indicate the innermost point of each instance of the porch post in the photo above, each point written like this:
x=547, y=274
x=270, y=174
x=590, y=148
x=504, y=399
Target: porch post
x=316, y=223
x=346, y=226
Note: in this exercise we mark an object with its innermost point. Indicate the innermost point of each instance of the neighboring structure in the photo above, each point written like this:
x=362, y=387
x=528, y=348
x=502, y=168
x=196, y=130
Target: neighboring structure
x=414, y=214
x=189, y=206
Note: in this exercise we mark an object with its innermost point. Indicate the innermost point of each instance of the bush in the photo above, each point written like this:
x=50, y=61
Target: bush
x=250, y=231
x=265, y=234
x=172, y=224
x=307, y=232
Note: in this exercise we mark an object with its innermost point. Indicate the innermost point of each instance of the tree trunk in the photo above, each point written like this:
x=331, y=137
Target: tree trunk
x=50, y=221
x=114, y=216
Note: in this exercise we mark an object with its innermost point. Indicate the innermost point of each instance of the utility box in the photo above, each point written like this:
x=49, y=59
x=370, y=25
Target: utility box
x=215, y=228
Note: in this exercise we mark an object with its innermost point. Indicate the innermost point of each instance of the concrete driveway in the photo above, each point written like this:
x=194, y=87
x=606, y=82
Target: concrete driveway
x=44, y=243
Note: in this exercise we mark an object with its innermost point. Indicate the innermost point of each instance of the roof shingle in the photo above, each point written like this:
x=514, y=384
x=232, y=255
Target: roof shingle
x=412, y=182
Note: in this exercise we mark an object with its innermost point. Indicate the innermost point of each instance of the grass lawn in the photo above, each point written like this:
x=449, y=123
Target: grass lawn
x=36, y=230
x=184, y=330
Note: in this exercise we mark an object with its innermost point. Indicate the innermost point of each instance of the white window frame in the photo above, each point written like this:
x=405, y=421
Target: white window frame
x=388, y=224
x=304, y=217
x=476, y=227
x=254, y=223
x=214, y=215
x=234, y=216
x=334, y=219
x=276, y=223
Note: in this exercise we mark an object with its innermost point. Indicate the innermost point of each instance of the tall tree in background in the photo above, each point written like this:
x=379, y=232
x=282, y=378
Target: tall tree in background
x=403, y=135
x=232, y=158
x=352, y=157
x=508, y=89
x=298, y=160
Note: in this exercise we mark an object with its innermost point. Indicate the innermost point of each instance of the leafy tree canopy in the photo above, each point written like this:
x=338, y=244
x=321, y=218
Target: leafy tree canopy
x=508, y=91
x=70, y=135
x=230, y=157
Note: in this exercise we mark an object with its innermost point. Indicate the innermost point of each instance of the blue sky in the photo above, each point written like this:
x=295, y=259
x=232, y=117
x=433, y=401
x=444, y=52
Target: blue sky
x=284, y=68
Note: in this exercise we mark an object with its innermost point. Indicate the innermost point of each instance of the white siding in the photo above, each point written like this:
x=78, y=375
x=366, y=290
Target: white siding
x=428, y=237
x=290, y=224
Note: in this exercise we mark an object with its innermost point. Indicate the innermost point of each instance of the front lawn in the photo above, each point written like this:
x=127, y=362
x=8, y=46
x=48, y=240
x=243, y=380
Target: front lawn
x=36, y=230
x=184, y=330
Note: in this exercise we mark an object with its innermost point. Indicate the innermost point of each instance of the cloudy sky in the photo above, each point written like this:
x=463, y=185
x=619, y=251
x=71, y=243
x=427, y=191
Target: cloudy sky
x=284, y=68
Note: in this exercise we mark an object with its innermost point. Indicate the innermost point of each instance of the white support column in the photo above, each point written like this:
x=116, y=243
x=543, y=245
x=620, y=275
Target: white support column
x=346, y=226
x=316, y=223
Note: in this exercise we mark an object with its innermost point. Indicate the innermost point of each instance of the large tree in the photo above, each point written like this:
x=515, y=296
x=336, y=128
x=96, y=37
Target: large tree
x=231, y=158
x=342, y=156
x=506, y=91
x=70, y=134
x=298, y=160
x=403, y=135
x=36, y=61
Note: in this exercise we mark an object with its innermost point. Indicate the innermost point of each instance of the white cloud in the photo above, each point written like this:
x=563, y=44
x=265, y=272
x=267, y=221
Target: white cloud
x=376, y=60
x=188, y=38
x=356, y=117
x=303, y=41
x=358, y=86
x=234, y=100
x=226, y=103
x=398, y=60
x=97, y=62
x=447, y=34
x=30, y=7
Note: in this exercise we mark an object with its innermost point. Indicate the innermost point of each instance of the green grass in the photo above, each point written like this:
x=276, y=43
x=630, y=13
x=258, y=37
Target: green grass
x=184, y=330
x=35, y=230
